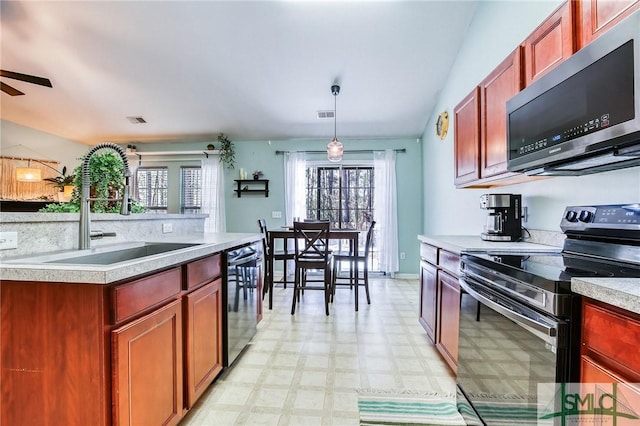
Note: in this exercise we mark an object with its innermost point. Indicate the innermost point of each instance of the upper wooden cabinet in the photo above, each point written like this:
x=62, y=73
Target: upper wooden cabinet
x=597, y=16
x=504, y=82
x=551, y=43
x=481, y=126
x=467, y=139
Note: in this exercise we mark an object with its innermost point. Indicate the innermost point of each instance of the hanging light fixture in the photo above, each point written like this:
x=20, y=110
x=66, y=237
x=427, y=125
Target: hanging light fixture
x=28, y=174
x=335, y=148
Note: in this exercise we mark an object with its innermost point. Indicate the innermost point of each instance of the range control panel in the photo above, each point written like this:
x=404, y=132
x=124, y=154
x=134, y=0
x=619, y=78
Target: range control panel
x=618, y=216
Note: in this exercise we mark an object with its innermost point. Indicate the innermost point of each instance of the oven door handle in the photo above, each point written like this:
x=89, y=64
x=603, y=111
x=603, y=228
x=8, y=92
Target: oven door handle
x=546, y=332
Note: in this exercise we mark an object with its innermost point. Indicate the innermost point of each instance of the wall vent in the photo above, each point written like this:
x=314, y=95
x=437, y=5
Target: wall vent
x=136, y=120
x=322, y=115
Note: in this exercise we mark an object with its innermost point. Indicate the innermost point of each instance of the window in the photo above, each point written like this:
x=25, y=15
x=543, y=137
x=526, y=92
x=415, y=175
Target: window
x=344, y=196
x=191, y=190
x=152, y=188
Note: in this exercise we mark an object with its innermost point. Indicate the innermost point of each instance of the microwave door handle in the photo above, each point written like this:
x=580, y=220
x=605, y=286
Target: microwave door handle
x=547, y=333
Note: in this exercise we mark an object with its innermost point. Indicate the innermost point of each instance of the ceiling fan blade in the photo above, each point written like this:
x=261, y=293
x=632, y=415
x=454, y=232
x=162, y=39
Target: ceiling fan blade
x=26, y=77
x=10, y=90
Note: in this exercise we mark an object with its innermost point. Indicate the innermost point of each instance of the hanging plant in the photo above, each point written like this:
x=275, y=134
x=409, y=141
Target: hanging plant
x=106, y=177
x=227, y=154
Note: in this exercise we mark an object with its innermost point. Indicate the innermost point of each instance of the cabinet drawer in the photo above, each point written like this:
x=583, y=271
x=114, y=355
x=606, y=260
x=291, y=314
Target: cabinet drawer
x=135, y=297
x=202, y=271
x=429, y=253
x=449, y=262
x=611, y=334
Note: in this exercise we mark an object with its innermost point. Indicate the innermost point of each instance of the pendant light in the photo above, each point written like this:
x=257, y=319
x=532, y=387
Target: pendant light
x=28, y=174
x=335, y=148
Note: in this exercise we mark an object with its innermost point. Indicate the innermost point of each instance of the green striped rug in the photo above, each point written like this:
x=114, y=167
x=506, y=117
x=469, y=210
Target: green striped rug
x=382, y=407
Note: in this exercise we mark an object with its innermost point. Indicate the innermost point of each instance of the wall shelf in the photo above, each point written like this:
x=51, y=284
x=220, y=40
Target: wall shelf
x=252, y=186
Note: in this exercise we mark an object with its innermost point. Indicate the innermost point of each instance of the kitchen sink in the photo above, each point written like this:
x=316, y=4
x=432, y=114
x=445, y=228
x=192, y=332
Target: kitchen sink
x=121, y=255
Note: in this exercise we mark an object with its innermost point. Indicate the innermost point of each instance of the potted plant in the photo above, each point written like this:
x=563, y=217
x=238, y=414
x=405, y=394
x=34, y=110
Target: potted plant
x=64, y=183
x=106, y=176
x=227, y=154
x=257, y=174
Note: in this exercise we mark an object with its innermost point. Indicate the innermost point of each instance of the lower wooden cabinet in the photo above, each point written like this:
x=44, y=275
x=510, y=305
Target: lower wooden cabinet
x=147, y=369
x=138, y=352
x=440, y=300
x=608, y=333
x=203, y=338
x=449, y=318
x=428, y=287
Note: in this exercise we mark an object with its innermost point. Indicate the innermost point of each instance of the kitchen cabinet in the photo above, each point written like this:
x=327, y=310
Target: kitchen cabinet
x=203, y=338
x=138, y=351
x=551, y=43
x=449, y=318
x=440, y=300
x=480, y=142
x=608, y=333
x=596, y=17
x=466, y=145
x=428, y=286
x=147, y=369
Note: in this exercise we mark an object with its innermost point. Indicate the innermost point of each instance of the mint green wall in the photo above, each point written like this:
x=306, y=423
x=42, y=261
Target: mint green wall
x=261, y=156
x=492, y=35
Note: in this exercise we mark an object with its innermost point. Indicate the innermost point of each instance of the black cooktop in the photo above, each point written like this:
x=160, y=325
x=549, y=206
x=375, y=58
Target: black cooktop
x=552, y=271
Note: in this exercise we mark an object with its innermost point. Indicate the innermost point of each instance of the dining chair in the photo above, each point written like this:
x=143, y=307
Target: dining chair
x=312, y=253
x=354, y=259
x=271, y=255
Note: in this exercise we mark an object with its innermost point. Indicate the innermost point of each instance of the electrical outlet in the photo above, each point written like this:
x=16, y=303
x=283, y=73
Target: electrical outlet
x=525, y=214
x=8, y=240
x=402, y=255
x=167, y=227
x=276, y=215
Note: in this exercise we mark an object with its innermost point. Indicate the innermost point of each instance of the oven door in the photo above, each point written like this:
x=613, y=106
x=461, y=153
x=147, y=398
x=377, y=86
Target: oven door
x=505, y=350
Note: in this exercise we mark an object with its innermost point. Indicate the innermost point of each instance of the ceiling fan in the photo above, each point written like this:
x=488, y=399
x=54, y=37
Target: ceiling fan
x=41, y=81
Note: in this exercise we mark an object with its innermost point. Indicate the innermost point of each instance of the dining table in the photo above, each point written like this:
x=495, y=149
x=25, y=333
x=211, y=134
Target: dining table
x=285, y=233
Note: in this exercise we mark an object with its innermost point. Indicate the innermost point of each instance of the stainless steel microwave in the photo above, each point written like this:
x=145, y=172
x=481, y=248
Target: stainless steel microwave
x=583, y=116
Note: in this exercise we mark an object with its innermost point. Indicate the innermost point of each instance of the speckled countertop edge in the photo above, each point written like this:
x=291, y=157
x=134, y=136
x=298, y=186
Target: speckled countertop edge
x=621, y=292
x=467, y=243
x=101, y=274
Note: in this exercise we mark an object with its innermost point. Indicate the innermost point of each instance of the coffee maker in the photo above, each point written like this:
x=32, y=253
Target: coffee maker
x=504, y=222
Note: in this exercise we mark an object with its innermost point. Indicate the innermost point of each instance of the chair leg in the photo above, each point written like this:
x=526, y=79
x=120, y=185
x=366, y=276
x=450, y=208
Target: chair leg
x=327, y=288
x=366, y=282
x=295, y=291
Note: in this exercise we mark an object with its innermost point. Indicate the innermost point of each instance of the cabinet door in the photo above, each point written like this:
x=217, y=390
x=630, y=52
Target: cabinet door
x=551, y=43
x=203, y=338
x=449, y=321
x=467, y=139
x=593, y=372
x=147, y=369
x=598, y=16
x=428, y=287
x=503, y=82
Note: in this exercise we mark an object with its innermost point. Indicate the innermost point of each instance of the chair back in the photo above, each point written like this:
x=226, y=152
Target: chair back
x=369, y=242
x=265, y=239
x=311, y=240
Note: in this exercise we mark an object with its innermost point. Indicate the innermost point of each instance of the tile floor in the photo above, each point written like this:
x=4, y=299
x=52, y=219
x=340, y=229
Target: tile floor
x=305, y=369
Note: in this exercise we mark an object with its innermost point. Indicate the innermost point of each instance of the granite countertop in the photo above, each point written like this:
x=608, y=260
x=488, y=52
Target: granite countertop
x=473, y=243
x=621, y=292
x=28, y=268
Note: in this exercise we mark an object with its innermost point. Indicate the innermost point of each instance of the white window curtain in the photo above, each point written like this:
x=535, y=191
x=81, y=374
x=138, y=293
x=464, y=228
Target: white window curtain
x=385, y=209
x=294, y=186
x=213, y=195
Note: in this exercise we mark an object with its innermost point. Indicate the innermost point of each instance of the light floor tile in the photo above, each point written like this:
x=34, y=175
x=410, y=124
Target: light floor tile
x=306, y=369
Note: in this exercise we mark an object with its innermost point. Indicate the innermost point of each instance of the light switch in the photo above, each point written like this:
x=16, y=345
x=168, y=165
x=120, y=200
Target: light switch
x=8, y=240
x=276, y=215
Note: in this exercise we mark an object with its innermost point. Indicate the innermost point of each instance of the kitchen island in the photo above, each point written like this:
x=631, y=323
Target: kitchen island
x=133, y=342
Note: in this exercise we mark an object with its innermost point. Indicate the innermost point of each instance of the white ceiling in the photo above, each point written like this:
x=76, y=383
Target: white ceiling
x=254, y=70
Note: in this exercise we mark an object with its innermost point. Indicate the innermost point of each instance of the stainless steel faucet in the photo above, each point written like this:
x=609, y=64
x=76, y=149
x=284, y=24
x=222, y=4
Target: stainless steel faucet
x=85, y=223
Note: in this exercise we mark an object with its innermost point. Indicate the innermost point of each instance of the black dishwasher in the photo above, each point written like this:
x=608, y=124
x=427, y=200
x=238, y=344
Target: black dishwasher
x=241, y=296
